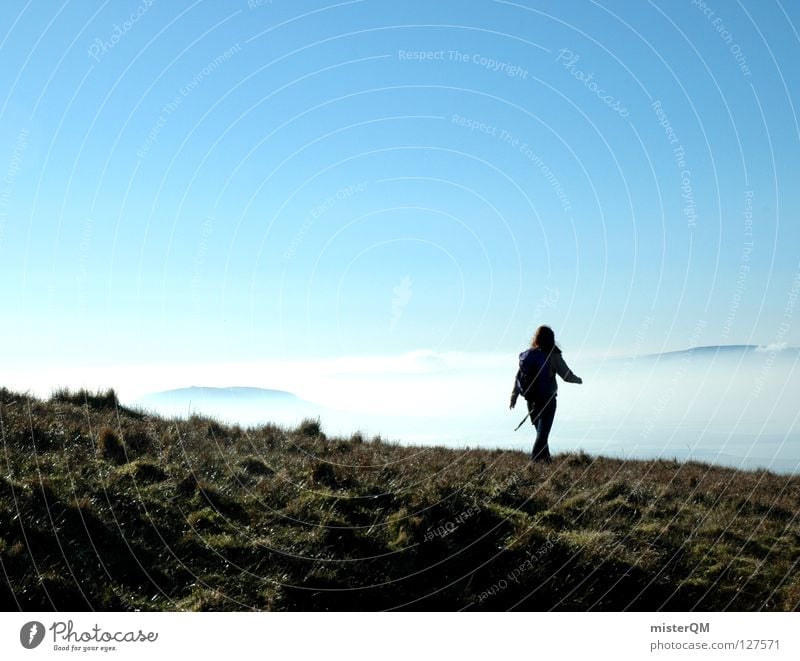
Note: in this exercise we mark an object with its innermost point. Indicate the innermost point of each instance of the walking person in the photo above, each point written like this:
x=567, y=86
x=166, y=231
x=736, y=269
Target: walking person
x=536, y=382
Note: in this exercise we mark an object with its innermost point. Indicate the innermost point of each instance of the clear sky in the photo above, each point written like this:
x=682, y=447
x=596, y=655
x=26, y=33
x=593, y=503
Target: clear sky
x=231, y=182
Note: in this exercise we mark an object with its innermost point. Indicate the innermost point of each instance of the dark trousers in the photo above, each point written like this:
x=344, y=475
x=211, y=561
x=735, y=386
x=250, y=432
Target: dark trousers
x=542, y=414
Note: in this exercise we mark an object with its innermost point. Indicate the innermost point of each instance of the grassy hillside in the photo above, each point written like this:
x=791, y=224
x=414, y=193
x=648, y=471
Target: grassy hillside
x=107, y=508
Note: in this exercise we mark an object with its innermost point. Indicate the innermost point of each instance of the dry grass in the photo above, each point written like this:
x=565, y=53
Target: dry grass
x=192, y=514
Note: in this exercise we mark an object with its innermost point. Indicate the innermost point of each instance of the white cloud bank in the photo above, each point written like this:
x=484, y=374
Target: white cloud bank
x=423, y=381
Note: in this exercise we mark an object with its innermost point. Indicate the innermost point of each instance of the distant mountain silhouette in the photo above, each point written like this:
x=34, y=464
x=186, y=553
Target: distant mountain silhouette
x=241, y=403
x=721, y=350
x=238, y=393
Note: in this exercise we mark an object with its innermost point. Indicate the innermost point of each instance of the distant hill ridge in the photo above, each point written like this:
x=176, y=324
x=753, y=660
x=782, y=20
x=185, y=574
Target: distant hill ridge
x=211, y=391
x=719, y=348
x=232, y=403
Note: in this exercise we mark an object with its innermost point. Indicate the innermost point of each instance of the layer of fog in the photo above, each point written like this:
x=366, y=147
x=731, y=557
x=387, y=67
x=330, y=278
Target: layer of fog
x=734, y=407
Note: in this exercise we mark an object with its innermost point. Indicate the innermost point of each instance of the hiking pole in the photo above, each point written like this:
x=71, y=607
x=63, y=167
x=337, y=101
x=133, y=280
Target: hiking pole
x=523, y=421
x=538, y=415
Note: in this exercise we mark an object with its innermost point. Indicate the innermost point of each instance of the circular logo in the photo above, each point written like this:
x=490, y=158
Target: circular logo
x=31, y=634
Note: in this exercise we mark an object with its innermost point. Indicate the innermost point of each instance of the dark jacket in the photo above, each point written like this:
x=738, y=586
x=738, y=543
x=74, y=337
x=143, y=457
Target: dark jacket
x=558, y=366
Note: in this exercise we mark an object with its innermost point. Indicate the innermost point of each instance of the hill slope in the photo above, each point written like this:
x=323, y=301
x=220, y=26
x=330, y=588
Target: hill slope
x=107, y=508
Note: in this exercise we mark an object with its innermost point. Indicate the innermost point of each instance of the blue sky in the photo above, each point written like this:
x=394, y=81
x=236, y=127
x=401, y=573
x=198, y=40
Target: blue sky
x=224, y=182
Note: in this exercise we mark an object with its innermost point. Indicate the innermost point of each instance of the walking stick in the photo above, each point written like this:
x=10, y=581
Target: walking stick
x=538, y=415
x=523, y=421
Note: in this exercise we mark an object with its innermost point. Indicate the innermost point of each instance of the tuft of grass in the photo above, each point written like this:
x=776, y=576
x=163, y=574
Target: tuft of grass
x=110, y=446
x=142, y=471
x=328, y=475
x=212, y=496
x=580, y=458
x=101, y=399
x=206, y=520
x=309, y=428
x=255, y=466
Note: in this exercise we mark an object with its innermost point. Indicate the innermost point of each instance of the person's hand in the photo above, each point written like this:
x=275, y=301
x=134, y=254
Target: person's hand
x=513, y=401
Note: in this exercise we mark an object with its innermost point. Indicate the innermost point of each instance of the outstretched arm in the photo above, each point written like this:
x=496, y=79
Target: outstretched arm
x=563, y=370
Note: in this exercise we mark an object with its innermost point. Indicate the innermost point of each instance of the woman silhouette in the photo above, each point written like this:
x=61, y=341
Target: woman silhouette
x=540, y=387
